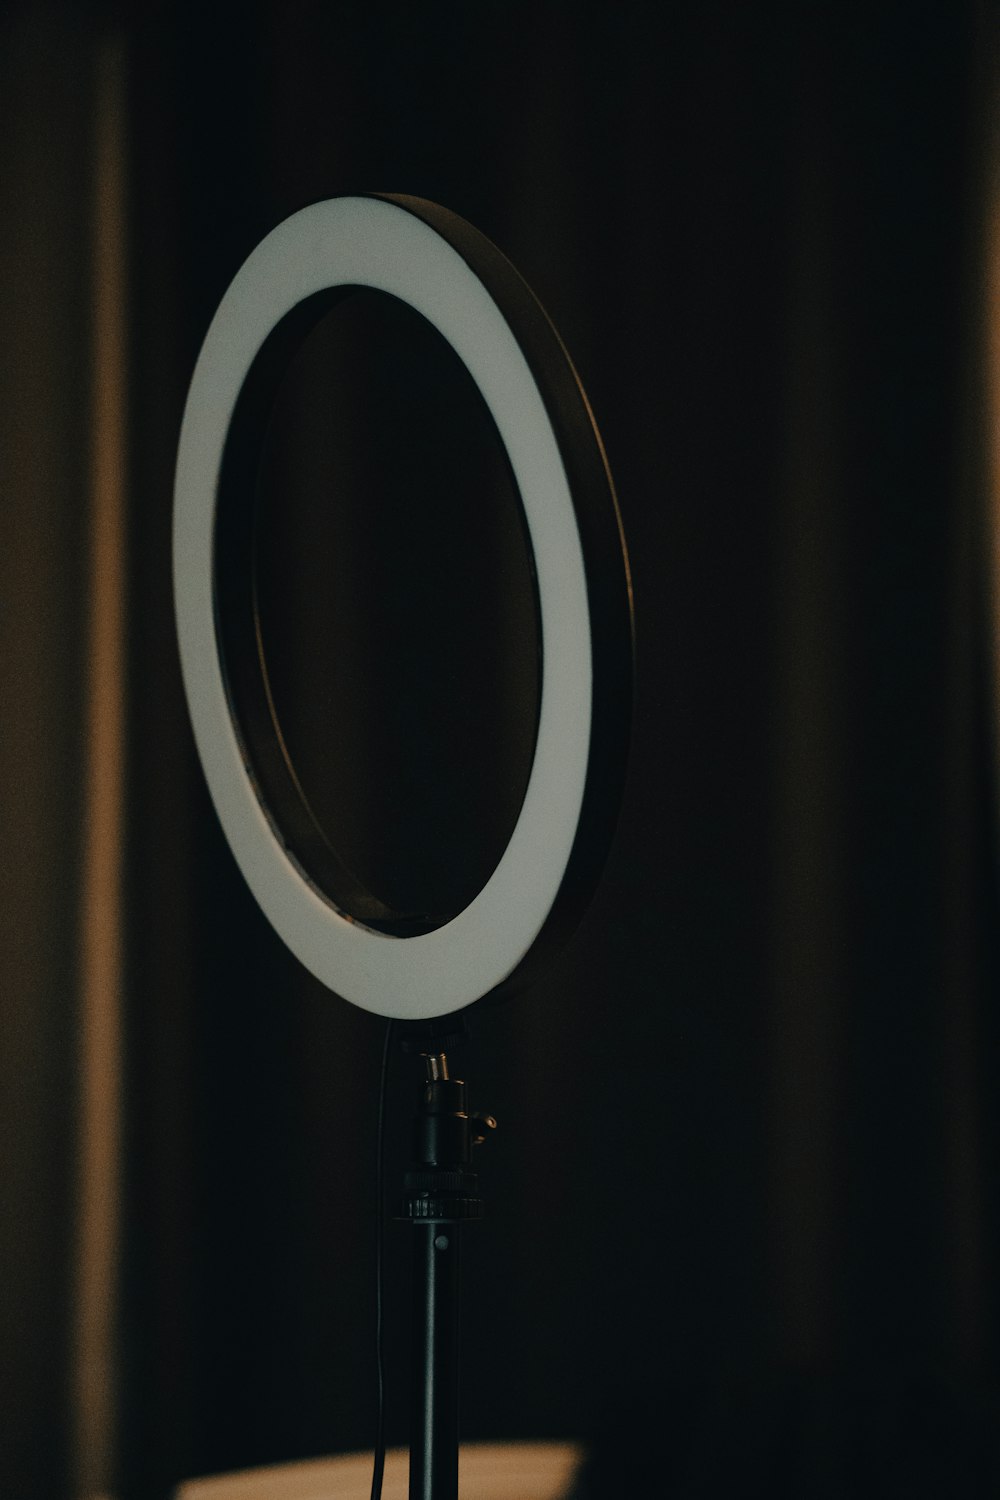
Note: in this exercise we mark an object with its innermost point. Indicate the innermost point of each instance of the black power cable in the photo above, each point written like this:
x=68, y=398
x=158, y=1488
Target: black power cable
x=379, y=1464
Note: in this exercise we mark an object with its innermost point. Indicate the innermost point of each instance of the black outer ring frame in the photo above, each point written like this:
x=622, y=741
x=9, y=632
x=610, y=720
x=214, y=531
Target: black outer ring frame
x=608, y=586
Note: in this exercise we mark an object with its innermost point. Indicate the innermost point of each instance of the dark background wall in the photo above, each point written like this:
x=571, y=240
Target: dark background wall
x=742, y=1206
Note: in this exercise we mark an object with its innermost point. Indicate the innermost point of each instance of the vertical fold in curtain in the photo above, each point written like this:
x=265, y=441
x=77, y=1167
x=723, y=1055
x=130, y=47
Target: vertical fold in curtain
x=101, y=925
x=807, y=762
x=45, y=119
x=61, y=766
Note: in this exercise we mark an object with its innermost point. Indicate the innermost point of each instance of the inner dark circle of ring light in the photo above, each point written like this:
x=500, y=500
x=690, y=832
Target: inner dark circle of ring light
x=397, y=612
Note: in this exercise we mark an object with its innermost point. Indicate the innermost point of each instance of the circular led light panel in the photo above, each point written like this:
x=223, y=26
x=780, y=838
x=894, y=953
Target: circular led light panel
x=448, y=272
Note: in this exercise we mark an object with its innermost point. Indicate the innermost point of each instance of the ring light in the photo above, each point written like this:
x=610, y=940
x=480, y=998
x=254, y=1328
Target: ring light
x=449, y=273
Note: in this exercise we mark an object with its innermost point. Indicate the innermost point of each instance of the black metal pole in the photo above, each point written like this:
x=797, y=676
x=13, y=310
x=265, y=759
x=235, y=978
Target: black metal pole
x=434, y=1430
x=440, y=1194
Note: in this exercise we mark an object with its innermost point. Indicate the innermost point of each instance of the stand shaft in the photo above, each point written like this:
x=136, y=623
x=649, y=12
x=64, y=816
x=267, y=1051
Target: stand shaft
x=434, y=1430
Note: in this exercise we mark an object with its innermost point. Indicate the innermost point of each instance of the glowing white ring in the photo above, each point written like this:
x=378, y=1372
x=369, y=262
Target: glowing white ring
x=373, y=243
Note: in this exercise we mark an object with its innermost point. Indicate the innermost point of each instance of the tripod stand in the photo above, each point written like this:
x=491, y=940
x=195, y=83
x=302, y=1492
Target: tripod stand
x=440, y=1195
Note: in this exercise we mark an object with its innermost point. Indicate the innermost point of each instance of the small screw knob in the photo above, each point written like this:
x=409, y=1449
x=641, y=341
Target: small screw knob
x=480, y=1127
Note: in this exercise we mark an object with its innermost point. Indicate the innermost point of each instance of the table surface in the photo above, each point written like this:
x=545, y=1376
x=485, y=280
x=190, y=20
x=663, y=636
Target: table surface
x=487, y=1471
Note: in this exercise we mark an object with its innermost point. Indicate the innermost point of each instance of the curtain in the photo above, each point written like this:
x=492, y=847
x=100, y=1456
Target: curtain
x=741, y=1215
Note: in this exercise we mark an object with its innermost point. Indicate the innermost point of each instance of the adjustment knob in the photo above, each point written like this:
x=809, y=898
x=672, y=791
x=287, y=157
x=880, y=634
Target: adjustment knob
x=480, y=1127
